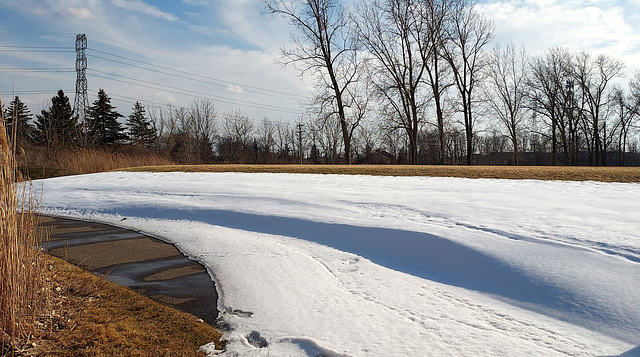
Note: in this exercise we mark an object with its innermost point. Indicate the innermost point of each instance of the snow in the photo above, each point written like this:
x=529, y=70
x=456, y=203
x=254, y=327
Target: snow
x=332, y=265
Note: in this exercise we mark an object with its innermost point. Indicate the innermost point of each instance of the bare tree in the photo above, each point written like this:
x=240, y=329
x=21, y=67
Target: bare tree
x=594, y=78
x=551, y=95
x=506, y=89
x=329, y=139
x=202, y=127
x=367, y=141
x=468, y=33
x=633, y=105
x=266, y=133
x=236, y=139
x=323, y=47
x=436, y=14
x=284, y=140
x=627, y=109
x=392, y=31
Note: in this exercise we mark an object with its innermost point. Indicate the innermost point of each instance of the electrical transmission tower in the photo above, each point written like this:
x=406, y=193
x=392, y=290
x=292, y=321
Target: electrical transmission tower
x=81, y=101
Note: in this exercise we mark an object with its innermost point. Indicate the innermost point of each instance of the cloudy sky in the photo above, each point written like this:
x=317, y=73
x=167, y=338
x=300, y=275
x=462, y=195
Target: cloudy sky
x=166, y=52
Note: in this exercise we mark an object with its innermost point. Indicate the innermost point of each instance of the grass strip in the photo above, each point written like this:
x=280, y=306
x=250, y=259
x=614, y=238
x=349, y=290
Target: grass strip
x=564, y=173
x=94, y=317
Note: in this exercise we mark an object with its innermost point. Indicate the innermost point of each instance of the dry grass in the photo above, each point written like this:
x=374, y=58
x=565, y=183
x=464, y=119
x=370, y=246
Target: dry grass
x=21, y=265
x=94, y=317
x=604, y=174
x=39, y=163
x=85, y=161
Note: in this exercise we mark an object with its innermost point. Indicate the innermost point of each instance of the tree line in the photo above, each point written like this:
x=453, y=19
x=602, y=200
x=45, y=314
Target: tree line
x=398, y=82
x=58, y=127
x=427, y=69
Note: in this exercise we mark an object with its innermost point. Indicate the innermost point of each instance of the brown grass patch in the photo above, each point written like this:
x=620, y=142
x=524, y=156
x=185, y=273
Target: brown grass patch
x=604, y=174
x=94, y=317
x=85, y=161
x=39, y=163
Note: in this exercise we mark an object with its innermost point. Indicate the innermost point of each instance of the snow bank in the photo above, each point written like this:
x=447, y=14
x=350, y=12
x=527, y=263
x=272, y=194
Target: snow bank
x=331, y=265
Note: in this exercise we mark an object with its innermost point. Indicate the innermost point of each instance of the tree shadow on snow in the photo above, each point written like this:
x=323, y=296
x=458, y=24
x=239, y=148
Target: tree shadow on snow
x=423, y=255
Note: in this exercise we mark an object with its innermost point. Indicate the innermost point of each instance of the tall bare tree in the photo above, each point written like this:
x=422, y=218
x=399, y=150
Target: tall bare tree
x=436, y=13
x=468, y=33
x=322, y=47
x=632, y=110
x=594, y=77
x=393, y=33
x=547, y=84
x=237, y=136
x=265, y=136
x=506, y=86
x=203, y=124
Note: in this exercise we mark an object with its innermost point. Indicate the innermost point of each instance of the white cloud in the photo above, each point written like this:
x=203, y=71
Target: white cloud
x=80, y=13
x=244, y=18
x=235, y=89
x=596, y=26
x=202, y=29
x=67, y=9
x=143, y=7
x=198, y=2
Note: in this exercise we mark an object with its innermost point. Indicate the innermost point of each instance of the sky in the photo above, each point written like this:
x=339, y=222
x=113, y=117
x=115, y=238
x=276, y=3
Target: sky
x=169, y=52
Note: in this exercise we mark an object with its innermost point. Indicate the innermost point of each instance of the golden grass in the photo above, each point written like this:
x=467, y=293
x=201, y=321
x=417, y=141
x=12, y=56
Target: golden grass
x=94, y=317
x=604, y=174
x=39, y=163
x=21, y=264
x=85, y=161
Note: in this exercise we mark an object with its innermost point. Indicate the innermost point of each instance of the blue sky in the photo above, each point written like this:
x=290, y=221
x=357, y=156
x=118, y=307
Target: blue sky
x=231, y=48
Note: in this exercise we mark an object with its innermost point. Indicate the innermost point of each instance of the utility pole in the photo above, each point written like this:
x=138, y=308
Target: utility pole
x=300, y=125
x=81, y=102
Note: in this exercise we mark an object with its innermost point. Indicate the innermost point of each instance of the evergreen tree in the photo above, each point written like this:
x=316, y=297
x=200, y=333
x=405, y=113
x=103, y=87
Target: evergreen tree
x=17, y=118
x=141, y=130
x=57, y=126
x=102, y=120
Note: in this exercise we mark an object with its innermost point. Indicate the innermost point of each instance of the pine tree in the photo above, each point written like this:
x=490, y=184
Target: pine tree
x=17, y=118
x=102, y=120
x=57, y=126
x=141, y=130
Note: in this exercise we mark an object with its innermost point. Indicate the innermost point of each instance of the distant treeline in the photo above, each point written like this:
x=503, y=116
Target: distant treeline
x=398, y=82
x=200, y=135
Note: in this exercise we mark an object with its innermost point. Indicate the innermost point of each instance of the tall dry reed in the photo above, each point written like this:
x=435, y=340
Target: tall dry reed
x=85, y=161
x=21, y=263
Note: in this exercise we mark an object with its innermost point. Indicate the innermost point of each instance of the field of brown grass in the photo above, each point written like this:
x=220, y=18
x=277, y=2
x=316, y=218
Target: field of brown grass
x=604, y=174
x=38, y=163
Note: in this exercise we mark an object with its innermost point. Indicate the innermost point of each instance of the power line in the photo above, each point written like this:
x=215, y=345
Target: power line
x=35, y=50
x=265, y=91
x=35, y=91
x=37, y=69
x=210, y=81
x=154, y=85
x=122, y=98
x=132, y=100
x=37, y=47
x=155, y=68
x=182, y=91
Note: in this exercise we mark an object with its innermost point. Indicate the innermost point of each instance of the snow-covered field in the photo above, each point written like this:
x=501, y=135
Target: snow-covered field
x=330, y=265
